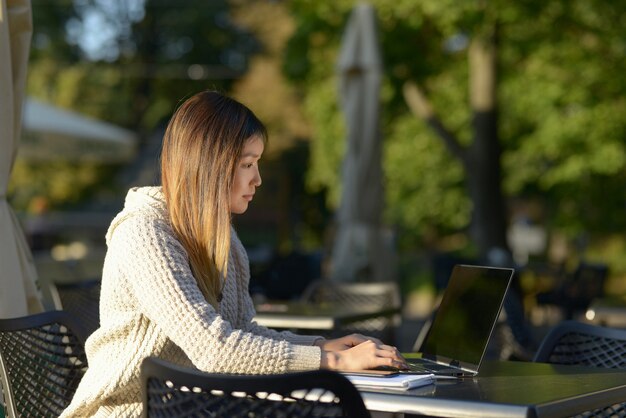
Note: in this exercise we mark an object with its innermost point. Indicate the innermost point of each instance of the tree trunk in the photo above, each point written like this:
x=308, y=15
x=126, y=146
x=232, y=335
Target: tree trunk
x=482, y=162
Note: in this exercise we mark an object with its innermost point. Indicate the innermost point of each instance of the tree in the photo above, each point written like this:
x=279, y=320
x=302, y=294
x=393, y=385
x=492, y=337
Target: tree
x=480, y=159
x=545, y=95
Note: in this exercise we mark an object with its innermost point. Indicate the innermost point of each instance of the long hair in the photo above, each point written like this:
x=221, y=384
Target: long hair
x=201, y=147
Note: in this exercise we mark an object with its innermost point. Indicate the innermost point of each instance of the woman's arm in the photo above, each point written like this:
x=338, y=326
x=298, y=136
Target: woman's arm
x=163, y=287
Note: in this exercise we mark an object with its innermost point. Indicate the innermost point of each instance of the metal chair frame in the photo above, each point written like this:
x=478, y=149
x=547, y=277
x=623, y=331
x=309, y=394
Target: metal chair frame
x=170, y=391
x=81, y=299
x=42, y=359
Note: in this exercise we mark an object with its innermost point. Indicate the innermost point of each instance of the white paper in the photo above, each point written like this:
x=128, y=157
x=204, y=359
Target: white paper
x=400, y=381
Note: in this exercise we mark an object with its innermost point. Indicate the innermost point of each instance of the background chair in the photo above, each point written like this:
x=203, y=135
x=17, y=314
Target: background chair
x=375, y=295
x=171, y=391
x=81, y=299
x=42, y=359
x=577, y=343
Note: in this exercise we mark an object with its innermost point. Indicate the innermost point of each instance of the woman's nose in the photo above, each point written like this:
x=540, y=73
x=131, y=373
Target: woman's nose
x=257, y=178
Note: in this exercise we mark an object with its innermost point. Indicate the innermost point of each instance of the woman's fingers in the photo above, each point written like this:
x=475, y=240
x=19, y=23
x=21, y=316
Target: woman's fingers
x=366, y=355
x=387, y=347
x=392, y=353
x=359, y=339
x=375, y=340
x=390, y=349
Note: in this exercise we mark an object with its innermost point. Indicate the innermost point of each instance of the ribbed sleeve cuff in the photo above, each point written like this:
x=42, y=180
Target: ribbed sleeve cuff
x=304, y=358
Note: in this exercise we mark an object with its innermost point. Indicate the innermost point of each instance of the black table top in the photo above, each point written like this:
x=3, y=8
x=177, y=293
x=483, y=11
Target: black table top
x=506, y=388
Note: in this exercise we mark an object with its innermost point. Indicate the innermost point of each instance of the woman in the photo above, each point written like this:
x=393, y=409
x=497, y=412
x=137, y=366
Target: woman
x=175, y=277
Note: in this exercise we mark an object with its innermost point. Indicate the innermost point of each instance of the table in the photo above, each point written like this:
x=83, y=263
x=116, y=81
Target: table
x=300, y=315
x=509, y=389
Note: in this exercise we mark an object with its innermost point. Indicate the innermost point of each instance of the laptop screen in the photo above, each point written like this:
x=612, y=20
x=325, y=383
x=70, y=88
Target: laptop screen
x=467, y=315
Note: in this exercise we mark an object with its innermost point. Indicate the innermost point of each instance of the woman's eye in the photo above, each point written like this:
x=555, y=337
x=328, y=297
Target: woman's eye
x=248, y=165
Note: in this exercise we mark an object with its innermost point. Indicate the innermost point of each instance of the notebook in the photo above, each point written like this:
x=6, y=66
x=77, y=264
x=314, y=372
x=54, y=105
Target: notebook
x=462, y=326
x=396, y=382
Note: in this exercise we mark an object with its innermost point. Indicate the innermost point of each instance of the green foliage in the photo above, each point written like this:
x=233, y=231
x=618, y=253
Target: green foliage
x=327, y=149
x=415, y=275
x=62, y=183
x=430, y=196
x=561, y=107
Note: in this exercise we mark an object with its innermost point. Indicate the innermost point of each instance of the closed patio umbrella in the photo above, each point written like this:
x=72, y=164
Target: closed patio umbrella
x=50, y=132
x=361, y=249
x=18, y=292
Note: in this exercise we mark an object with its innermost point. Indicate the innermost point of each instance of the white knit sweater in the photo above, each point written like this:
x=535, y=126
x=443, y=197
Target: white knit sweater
x=150, y=305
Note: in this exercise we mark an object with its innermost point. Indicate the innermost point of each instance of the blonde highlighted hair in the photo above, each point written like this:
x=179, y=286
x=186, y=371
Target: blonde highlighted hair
x=201, y=147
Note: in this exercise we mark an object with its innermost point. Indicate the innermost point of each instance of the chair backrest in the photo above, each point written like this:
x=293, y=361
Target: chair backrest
x=572, y=342
x=577, y=343
x=42, y=360
x=80, y=299
x=171, y=391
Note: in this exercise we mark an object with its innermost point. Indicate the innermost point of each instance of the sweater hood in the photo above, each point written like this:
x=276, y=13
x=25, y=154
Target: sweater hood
x=139, y=201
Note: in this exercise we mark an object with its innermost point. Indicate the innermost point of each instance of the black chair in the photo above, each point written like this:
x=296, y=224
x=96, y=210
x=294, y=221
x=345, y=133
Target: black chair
x=42, y=360
x=577, y=343
x=376, y=295
x=170, y=391
x=81, y=299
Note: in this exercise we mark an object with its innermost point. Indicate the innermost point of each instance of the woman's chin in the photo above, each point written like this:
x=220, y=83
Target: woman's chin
x=239, y=210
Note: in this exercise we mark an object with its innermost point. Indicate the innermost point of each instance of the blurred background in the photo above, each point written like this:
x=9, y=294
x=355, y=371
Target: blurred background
x=502, y=129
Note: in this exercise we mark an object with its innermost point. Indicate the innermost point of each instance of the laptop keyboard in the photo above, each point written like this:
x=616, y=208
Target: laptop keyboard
x=431, y=368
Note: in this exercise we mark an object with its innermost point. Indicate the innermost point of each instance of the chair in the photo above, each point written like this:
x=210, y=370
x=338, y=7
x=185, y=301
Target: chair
x=81, y=299
x=42, y=360
x=170, y=391
x=376, y=295
x=577, y=343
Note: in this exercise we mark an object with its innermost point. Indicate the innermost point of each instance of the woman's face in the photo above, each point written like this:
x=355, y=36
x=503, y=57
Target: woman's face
x=247, y=175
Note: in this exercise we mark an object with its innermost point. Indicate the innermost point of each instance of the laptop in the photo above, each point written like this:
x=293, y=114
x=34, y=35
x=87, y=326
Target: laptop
x=462, y=325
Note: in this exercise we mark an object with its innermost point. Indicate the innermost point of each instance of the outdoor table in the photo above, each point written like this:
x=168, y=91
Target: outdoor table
x=309, y=316
x=509, y=389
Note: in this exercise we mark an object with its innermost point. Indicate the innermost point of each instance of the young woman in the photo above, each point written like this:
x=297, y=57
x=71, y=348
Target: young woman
x=175, y=277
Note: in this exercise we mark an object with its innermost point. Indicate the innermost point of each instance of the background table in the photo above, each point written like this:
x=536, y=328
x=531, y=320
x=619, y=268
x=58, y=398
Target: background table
x=509, y=389
x=323, y=316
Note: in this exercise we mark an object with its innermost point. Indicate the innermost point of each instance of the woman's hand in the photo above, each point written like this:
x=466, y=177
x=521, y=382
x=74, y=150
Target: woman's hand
x=366, y=355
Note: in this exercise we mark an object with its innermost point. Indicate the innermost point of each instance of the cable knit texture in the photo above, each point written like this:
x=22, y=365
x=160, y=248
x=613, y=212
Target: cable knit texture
x=150, y=305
